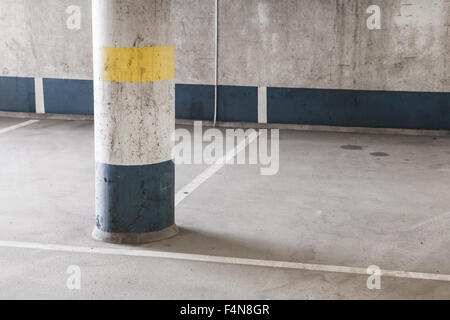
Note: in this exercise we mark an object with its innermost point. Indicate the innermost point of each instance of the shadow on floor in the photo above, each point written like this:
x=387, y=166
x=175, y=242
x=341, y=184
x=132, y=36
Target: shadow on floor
x=200, y=242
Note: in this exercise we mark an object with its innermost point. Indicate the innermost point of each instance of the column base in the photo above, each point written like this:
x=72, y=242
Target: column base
x=134, y=238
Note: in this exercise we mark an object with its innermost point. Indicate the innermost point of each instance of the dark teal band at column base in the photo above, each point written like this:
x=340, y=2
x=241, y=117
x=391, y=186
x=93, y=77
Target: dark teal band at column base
x=134, y=238
x=134, y=200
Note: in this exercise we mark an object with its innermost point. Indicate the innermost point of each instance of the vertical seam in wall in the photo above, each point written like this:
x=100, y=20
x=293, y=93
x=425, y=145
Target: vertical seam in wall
x=39, y=95
x=262, y=104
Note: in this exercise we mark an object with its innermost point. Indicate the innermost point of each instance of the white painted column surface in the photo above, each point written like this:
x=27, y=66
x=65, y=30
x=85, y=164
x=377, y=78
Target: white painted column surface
x=134, y=71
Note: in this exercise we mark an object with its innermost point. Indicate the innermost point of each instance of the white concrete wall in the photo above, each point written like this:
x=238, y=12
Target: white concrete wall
x=326, y=44
x=287, y=43
x=35, y=40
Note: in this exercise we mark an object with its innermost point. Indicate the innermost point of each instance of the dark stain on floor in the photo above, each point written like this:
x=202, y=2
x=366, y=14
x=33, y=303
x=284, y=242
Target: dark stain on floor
x=352, y=147
x=380, y=154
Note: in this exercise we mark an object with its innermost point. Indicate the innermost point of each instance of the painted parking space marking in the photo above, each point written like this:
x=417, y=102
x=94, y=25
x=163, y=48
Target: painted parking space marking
x=428, y=221
x=219, y=259
x=213, y=169
x=18, y=126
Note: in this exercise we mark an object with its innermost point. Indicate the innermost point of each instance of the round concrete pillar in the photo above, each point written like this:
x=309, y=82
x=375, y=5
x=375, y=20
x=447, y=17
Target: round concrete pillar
x=134, y=71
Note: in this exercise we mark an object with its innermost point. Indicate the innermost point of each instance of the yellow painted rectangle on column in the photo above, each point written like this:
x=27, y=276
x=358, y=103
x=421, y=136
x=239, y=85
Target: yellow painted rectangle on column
x=141, y=64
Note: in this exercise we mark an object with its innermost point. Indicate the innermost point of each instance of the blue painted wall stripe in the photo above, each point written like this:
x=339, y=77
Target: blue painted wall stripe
x=135, y=199
x=355, y=108
x=64, y=96
x=17, y=94
x=194, y=102
x=237, y=104
x=362, y=108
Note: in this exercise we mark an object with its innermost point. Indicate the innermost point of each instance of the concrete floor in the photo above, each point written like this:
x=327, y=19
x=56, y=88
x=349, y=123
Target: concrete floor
x=342, y=199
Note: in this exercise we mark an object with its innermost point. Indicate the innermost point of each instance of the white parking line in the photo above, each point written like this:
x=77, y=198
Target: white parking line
x=428, y=221
x=219, y=259
x=185, y=192
x=208, y=173
x=18, y=126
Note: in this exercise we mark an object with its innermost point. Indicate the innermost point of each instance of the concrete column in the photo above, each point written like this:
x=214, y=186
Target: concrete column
x=134, y=71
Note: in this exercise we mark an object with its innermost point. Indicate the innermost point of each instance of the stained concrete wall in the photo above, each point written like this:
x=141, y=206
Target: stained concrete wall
x=318, y=59
x=326, y=44
x=35, y=40
x=195, y=34
x=281, y=43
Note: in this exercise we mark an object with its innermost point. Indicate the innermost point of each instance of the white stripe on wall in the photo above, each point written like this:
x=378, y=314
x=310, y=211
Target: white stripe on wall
x=39, y=90
x=262, y=105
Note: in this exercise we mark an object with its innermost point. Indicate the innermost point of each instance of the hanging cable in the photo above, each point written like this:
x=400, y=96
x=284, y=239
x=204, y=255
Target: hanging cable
x=216, y=66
